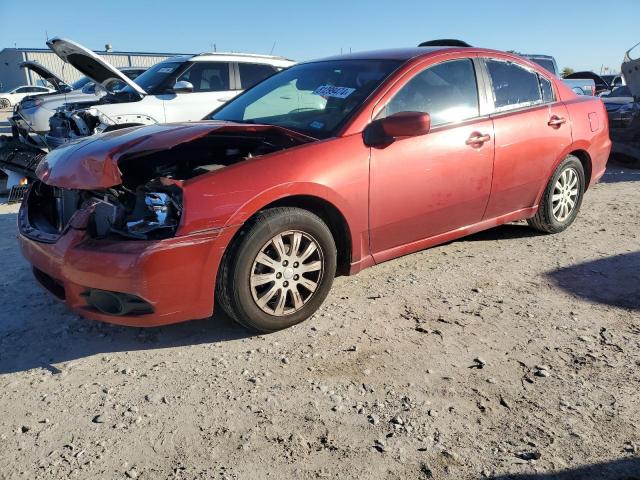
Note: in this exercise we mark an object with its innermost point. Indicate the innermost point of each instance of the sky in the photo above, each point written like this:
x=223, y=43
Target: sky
x=580, y=34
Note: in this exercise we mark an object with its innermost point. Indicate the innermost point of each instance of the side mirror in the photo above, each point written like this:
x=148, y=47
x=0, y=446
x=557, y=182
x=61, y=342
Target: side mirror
x=399, y=125
x=183, y=87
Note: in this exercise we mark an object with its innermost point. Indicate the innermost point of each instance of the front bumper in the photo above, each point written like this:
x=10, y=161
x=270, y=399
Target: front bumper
x=175, y=276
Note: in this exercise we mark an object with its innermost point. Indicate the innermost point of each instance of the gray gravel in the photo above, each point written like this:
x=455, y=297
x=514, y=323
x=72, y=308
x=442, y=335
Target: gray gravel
x=377, y=385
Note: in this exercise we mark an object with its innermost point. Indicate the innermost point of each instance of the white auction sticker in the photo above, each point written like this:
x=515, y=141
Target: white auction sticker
x=335, y=92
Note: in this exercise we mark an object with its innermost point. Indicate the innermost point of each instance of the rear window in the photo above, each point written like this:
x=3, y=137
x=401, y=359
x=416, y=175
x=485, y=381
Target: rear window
x=546, y=64
x=252, y=73
x=513, y=86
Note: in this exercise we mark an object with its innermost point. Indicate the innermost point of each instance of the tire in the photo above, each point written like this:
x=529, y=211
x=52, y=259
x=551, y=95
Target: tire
x=552, y=218
x=4, y=103
x=245, y=279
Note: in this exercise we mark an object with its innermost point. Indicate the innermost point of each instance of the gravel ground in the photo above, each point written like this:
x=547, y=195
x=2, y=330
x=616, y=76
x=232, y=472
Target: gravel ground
x=504, y=355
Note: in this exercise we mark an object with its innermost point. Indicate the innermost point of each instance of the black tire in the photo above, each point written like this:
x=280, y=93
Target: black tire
x=233, y=289
x=544, y=219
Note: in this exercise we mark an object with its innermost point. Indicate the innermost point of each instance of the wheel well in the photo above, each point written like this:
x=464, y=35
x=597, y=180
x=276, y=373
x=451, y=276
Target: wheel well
x=585, y=160
x=332, y=217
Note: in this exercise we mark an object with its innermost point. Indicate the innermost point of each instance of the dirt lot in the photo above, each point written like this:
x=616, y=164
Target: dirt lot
x=504, y=354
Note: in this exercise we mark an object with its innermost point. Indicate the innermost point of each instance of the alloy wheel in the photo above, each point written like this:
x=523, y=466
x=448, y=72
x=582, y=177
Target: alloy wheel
x=565, y=194
x=286, y=273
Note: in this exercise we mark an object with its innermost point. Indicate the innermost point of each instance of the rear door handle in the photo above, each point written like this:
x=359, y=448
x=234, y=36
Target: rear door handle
x=477, y=139
x=556, y=121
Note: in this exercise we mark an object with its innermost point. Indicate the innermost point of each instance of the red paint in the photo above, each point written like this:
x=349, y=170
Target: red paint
x=396, y=199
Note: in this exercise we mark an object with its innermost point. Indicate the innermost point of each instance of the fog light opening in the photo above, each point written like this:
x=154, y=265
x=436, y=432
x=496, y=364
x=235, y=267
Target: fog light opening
x=116, y=303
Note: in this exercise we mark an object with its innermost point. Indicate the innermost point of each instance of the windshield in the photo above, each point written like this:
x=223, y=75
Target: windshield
x=154, y=77
x=311, y=98
x=78, y=84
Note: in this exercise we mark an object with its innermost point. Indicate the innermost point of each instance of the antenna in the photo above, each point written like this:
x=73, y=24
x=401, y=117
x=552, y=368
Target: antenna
x=46, y=34
x=273, y=48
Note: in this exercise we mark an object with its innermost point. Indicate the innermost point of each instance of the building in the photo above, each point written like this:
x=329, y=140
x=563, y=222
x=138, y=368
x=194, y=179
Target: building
x=11, y=75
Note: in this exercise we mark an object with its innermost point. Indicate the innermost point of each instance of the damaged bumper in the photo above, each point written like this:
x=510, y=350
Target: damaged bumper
x=157, y=282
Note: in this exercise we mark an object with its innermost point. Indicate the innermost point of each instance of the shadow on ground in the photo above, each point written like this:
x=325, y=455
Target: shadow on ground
x=612, y=281
x=624, y=469
x=37, y=331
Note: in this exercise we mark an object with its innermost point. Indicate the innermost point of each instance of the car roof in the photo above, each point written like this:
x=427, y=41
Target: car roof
x=232, y=57
x=406, y=54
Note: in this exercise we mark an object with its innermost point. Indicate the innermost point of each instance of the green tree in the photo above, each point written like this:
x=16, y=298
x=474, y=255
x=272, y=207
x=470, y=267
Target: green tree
x=567, y=71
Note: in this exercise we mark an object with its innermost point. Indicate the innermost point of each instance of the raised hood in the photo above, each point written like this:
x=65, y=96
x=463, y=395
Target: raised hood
x=631, y=72
x=60, y=85
x=92, y=65
x=92, y=163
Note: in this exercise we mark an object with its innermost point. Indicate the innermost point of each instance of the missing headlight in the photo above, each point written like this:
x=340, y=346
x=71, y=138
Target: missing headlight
x=151, y=212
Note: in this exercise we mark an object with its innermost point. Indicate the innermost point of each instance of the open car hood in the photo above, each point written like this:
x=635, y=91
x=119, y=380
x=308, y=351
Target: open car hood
x=60, y=85
x=92, y=65
x=631, y=72
x=92, y=163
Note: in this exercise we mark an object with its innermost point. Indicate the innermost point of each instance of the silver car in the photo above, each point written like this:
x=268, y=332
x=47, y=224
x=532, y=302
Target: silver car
x=32, y=114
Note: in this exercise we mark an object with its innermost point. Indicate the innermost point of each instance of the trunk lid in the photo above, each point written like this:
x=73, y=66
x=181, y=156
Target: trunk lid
x=92, y=65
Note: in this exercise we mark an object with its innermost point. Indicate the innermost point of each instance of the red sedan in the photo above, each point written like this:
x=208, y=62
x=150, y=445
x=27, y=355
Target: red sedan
x=325, y=168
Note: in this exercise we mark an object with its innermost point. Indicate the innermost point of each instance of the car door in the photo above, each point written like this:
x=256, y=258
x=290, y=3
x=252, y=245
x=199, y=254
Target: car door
x=531, y=130
x=212, y=86
x=424, y=186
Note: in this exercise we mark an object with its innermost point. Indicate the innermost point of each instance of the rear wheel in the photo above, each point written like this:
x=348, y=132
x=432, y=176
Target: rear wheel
x=562, y=197
x=278, y=271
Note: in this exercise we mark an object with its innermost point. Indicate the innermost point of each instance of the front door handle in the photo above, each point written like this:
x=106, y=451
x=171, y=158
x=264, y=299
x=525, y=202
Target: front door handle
x=477, y=139
x=556, y=121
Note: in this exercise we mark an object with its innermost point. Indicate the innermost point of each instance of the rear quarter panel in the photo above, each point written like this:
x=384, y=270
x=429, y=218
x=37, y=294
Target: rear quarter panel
x=590, y=129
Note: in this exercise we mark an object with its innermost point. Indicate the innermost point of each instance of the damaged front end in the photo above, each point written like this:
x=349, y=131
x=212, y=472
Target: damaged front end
x=128, y=183
x=151, y=212
x=623, y=111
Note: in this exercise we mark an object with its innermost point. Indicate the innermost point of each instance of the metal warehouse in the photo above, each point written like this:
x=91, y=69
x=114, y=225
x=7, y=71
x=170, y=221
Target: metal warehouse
x=11, y=75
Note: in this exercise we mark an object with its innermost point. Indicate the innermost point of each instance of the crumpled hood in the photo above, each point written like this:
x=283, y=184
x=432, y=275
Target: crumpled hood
x=92, y=163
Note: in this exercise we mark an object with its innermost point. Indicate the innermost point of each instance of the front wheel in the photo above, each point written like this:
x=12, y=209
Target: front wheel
x=4, y=103
x=562, y=197
x=278, y=271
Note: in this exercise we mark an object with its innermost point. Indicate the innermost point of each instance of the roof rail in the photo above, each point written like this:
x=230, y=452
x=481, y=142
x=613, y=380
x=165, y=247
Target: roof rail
x=444, y=42
x=240, y=54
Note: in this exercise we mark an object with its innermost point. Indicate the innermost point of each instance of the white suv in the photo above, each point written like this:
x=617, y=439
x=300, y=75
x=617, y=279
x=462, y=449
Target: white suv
x=182, y=88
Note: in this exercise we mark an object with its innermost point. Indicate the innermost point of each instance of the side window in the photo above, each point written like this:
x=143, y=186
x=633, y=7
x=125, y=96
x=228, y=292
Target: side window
x=23, y=90
x=207, y=76
x=547, y=90
x=513, y=86
x=252, y=73
x=448, y=92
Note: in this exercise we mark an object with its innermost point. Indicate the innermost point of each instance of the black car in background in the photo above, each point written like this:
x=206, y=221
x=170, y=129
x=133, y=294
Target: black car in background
x=601, y=84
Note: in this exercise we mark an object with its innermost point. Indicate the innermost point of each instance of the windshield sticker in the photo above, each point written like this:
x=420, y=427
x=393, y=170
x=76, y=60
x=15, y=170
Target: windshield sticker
x=317, y=125
x=165, y=70
x=335, y=92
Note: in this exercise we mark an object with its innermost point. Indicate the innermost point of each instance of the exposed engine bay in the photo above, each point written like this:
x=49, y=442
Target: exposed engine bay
x=82, y=119
x=147, y=205
x=150, y=212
